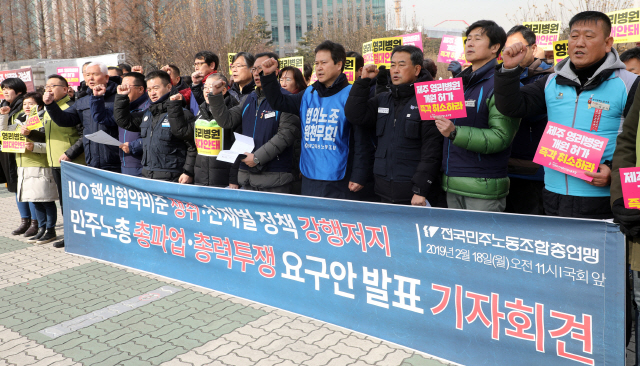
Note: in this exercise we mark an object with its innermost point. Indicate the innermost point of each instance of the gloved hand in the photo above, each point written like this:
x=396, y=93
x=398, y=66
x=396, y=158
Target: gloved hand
x=628, y=218
x=455, y=67
x=383, y=76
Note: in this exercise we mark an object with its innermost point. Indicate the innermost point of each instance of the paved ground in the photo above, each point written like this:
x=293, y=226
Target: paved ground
x=42, y=287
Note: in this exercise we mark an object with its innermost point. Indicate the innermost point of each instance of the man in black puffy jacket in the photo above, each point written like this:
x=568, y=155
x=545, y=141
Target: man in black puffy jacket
x=409, y=153
x=168, y=145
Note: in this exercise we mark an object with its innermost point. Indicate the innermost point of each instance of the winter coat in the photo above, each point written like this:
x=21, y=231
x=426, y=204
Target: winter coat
x=475, y=161
x=87, y=111
x=241, y=95
x=132, y=161
x=408, y=157
x=8, y=160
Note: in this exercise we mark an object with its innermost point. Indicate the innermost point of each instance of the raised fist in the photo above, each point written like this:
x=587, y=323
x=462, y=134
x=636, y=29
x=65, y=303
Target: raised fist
x=124, y=89
x=369, y=71
x=218, y=87
x=24, y=130
x=5, y=110
x=99, y=90
x=165, y=68
x=177, y=96
x=47, y=98
x=137, y=68
x=269, y=66
x=197, y=77
x=513, y=55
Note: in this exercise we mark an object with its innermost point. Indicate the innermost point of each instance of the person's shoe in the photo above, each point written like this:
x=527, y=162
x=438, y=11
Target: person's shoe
x=24, y=225
x=49, y=235
x=59, y=244
x=33, y=229
x=37, y=237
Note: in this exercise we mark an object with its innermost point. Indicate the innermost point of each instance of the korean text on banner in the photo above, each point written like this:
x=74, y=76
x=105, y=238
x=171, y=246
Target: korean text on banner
x=546, y=33
x=33, y=122
x=451, y=49
x=230, y=59
x=367, y=52
x=441, y=98
x=412, y=39
x=13, y=142
x=382, y=48
x=630, y=179
x=25, y=75
x=209, y=137
x=350, y=69
x=625, y=25
x=560, y=51
x=71, y=73
x=508, y=287
x=570, y=151
x=297, y=62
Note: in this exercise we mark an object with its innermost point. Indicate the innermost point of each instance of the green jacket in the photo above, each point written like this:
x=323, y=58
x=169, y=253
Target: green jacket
x=498, y=137
x=61, y=140
x=30, y=159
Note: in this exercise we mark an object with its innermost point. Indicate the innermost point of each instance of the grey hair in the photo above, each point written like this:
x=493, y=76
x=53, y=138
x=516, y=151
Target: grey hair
x=103, y=67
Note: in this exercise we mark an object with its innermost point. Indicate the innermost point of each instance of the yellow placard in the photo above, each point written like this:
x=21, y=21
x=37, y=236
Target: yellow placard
x=546, y=33
x=33, y=122
x=230, y=59
x=13, y=142
x=625, y=25
x=209, y=140
x=560, y=51
x=350, y=69
x=367, y=52
x=382, y=48
x=297, y=61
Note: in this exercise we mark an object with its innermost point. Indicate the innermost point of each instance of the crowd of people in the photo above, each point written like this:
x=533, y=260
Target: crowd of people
x=331, y=139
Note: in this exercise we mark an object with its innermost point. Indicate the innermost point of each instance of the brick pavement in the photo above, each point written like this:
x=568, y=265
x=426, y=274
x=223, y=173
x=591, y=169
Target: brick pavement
x=41, y=287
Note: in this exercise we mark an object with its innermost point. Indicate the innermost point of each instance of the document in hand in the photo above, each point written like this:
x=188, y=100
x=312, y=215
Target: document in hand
x=102, y=137
x=242, y=145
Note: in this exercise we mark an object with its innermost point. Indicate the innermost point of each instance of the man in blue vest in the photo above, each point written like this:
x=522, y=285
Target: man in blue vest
x=592, y=72
x=168, y=146
x=477, y=147
x=268, y=167
x=328, y=139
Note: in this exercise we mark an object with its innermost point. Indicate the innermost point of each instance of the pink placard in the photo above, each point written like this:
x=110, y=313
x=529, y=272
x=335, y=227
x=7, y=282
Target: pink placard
x=441, y=98
x=451, y=49
x=630, y=179
x=71, y=73
x=570, y=151
x=414, y=39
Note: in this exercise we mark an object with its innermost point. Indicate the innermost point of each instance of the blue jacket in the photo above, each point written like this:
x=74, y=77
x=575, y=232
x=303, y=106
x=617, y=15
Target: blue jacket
x=131, y=162
x=97, y=155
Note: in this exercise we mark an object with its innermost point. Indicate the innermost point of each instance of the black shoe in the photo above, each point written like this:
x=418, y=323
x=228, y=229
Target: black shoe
x=24, y=225
x=59, y=244
x=37, y=237
x=33, y=229
x=49, y=235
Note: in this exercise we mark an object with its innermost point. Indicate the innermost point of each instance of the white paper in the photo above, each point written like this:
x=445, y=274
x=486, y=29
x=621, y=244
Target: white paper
x=102, y=137
x=242, y=145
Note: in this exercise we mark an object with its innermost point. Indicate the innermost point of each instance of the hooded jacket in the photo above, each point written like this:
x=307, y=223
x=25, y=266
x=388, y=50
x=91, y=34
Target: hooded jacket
x=567, y=102
x=97, y=155
x=408, y=157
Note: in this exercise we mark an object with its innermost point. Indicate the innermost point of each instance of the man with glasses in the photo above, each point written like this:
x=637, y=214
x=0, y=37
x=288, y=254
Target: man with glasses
x=102, y=92
x=268, y=167
x=168, y=146
x=243, y=83
x=205, y=64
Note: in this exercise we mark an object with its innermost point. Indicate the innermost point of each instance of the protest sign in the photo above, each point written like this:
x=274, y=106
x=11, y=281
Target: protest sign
x=13, y=142
x=209, y=137
x=625, y=25
x=570, y=151
x=33, y=122
x=350, y=69
x=367, y=52
x=630, y=179
x=382, y=48
x=441, y=98
x=230, y=59
x=297, y=62
x=72, y=74
x=24, y=74
x=413, y=39
x=509, y=289
x=451, y=49
x=560, y=51
x=546, y=33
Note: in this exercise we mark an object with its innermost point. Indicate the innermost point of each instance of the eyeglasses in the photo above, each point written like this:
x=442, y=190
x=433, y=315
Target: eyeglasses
x=287, y=80
x=236, y=67
x=198, y=64
x=209, y=87
x=49, y=87
x=257, y=68
x=131, y=86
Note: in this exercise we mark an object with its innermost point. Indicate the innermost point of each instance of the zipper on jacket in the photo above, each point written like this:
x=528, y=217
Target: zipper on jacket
x=125, y=138
x=575, y=111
